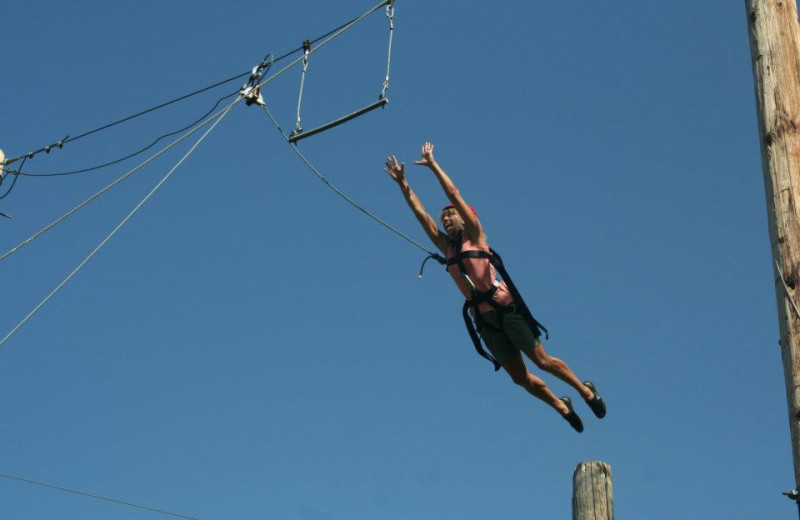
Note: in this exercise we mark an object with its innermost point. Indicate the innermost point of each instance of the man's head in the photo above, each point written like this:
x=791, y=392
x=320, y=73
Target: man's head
x=452, y=221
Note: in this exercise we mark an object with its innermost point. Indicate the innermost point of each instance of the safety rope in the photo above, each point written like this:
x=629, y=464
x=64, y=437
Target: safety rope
x=122, y=223
x=306, y=50
x=390, y=16
x=340, y=192
x=97, y=497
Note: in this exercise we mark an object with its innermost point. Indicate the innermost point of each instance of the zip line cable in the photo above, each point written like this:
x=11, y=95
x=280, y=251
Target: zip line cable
x=119, y=226
x=98, y=497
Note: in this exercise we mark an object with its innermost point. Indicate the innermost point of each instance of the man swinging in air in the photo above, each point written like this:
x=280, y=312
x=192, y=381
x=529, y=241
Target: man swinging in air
x=500, y=315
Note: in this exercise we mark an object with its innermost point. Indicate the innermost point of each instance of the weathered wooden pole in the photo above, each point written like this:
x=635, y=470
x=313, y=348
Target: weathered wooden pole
x=775, y=48
x=592, y=496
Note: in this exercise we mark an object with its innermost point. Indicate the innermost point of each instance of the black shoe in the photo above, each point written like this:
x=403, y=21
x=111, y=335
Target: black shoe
x=596, y=403
x=571, y=417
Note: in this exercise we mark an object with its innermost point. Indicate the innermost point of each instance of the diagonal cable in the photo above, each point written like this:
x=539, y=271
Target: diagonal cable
x=116, y=229
x=97, y=497
x=109, y=186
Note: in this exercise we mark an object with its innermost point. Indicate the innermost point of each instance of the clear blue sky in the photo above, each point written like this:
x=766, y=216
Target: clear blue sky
x=250, y=346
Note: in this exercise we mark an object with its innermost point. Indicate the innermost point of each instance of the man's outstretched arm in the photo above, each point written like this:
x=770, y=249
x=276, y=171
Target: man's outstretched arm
x=471, y=223
x=397, y=172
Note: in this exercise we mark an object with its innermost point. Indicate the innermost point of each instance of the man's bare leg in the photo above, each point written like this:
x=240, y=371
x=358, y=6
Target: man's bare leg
x=516, y=369
x=558, y=368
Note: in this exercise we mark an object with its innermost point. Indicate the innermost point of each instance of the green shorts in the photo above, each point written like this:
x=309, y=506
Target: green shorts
x=514, y=337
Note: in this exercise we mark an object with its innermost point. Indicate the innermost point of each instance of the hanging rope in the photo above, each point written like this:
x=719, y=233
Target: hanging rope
x=341, y=193
x=298, y=128
x=390, y=16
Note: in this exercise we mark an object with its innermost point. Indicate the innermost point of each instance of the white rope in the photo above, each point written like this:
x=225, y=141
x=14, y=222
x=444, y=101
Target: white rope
x=298, y=127
x=390, y=16
x=119, y=226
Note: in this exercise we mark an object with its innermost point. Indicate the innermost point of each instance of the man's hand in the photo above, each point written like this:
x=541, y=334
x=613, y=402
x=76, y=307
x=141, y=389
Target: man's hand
x=396, y=170
x=427, y=156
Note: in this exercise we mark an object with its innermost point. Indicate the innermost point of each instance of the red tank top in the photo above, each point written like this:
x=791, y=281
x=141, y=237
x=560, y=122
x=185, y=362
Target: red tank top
x=482, y=274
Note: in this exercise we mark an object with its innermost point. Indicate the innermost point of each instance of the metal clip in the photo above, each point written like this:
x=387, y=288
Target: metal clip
x=469, y=281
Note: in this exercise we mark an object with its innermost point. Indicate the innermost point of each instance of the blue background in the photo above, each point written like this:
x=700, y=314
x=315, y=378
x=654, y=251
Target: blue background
x=250, y=346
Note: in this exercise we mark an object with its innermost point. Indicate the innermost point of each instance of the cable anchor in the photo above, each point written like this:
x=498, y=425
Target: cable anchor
x=251, y=90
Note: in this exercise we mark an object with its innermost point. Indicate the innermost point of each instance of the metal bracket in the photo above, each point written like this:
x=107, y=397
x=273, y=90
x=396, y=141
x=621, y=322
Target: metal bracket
x=252, y=95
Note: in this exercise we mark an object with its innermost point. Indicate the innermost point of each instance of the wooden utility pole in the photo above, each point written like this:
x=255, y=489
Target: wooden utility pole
x=775, y=48
x=592, y=496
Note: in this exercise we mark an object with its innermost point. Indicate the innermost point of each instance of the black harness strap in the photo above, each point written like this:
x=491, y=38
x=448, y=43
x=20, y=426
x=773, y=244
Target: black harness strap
x=478, y=297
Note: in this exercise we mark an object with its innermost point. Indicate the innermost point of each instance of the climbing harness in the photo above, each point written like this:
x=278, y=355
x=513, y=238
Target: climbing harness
x=297, y=134
x=478, y=297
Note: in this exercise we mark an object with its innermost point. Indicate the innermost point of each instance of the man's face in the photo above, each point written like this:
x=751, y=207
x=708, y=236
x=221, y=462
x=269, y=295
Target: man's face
x=451, y=221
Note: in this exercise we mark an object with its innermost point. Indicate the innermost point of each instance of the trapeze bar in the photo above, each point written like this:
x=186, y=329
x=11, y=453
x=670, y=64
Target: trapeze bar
x=293, y=138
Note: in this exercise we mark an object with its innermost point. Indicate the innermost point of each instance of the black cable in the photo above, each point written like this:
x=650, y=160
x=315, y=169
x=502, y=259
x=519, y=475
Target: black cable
x=134, y=154
x=143, y=112
x=315, y=40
